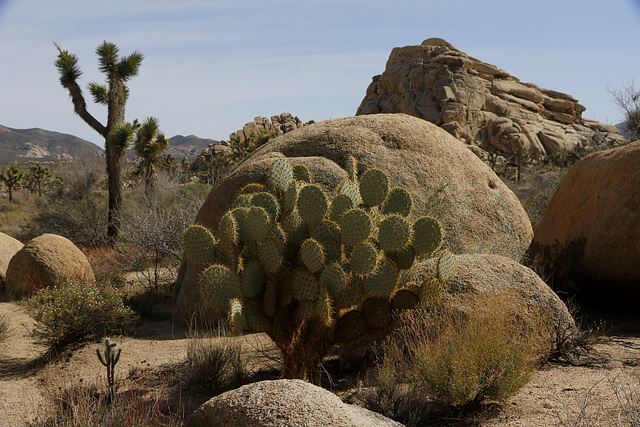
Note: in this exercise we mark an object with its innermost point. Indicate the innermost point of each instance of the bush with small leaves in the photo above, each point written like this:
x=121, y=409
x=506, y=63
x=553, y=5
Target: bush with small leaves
x=312, y=270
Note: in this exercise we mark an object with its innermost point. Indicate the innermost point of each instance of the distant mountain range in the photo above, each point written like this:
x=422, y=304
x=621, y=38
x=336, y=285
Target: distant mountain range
x=38, y=144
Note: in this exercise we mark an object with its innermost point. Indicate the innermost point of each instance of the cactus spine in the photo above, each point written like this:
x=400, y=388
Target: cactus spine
x=311, y=270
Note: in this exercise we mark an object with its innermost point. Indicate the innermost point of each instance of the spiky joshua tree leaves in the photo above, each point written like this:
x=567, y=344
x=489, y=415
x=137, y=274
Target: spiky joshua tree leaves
x=149, y=145
x=312, y=271
x=12, y=179
x=117, y=133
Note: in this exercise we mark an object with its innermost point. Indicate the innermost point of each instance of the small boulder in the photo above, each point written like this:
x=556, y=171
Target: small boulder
x=515, y=289
x=590, y=232
x=283, y=403
x=46, y=261
x=8, y=247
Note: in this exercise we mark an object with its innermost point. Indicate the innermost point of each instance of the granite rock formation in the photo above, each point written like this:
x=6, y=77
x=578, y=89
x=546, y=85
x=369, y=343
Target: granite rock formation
x=479, y=103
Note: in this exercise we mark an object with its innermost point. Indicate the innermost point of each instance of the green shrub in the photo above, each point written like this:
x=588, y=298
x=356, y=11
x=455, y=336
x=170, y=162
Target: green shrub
x=447, y=359
x=76, y=312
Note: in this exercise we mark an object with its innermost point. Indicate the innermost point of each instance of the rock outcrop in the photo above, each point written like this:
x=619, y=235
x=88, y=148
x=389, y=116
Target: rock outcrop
x=592, y=226
x=479, y=214
x=277, y=125
x=8, y=248
x=525, y=297
x=479, y=103
x=283, y=403
x=46, y=261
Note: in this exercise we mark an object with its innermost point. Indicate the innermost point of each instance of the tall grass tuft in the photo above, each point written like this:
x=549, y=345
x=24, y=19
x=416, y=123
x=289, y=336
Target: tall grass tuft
x=4, y=327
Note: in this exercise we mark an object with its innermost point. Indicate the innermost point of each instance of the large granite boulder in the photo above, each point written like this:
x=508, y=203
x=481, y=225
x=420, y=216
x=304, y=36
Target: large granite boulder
x=283, y=403
x=591, y=228
x=8, y=248
x=44, y=262
x=478, y=212
x=479, y=103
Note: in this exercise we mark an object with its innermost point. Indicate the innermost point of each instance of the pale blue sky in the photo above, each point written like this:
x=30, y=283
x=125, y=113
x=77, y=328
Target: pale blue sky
x=212, y=65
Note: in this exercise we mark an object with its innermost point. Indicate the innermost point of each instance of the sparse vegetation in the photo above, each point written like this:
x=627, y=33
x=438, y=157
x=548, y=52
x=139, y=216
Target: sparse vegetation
x=440, y=360
x=76, y=312
x=628, y=100
x=12, y=179
x=214, y=363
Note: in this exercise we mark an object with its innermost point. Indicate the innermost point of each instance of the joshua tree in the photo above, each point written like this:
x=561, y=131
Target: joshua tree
x=12, y=179
x=39, y=175
x=149, y=145
x=313, y=271
x=117, y=133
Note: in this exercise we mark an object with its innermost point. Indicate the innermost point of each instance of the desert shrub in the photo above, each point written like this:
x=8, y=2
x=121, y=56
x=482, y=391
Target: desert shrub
x=151, y=228
x=214, y=363
x=450, y=360
x=4, y=327
x=77, y=210
x=79, y=311
x=88, y=405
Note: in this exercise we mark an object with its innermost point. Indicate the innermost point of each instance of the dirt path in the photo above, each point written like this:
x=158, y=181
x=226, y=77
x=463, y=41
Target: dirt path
x=603, y=388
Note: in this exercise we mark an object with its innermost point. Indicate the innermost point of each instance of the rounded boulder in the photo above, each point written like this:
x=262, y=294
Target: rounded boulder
x=44, y=262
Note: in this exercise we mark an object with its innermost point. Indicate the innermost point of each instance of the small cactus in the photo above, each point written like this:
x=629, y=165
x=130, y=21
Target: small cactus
x=310, y=270
x=109, y=360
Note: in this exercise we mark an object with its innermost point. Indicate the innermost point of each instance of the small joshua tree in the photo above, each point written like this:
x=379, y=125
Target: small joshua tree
x=150, y=144
x=311, y=271
x=12, y=179
x=110, y=359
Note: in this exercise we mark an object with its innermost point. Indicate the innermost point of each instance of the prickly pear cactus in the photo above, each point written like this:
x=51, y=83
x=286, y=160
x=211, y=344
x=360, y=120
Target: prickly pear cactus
x=312, y=269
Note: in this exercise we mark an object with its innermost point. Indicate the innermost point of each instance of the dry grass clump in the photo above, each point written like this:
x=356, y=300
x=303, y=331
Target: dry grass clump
x=89, y=405
x=442, y=360
x=78, y=311
x=4, y=327
x=214, y=363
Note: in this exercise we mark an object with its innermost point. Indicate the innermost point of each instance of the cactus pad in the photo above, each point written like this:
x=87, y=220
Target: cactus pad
x=252, y=280
x=427, y=235
x=302, y=173
x=304, y=285
x=349, y=327
x=312, y=255
x=351, y=190
x=447, y=265
x=355, y=226
x=333, y=279
x=381, y=281
x=404, y=258
x=199, y=244
x=394, y=233
x=253, y=188
x=326, y=232
x=339, y=206
x=403, y=300
x=257, y=224
x=363, y=259
x=376, y=312
x=374, y=185
x=323, y=309
x=257, y=321
x=269, y=203
x=291, y=196
x=219, y=286
x=236, y=320
x=270, y=299
x=280, y=175
x=332, y=253
x=270, y=255
x=431, y=290
x=350, y=295
x=352, y=168
x=398, y=201
x=240, y=215
x=305, y=309
x=312, y=204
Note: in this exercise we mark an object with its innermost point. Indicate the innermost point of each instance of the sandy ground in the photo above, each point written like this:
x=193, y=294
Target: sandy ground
x=593, y=393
